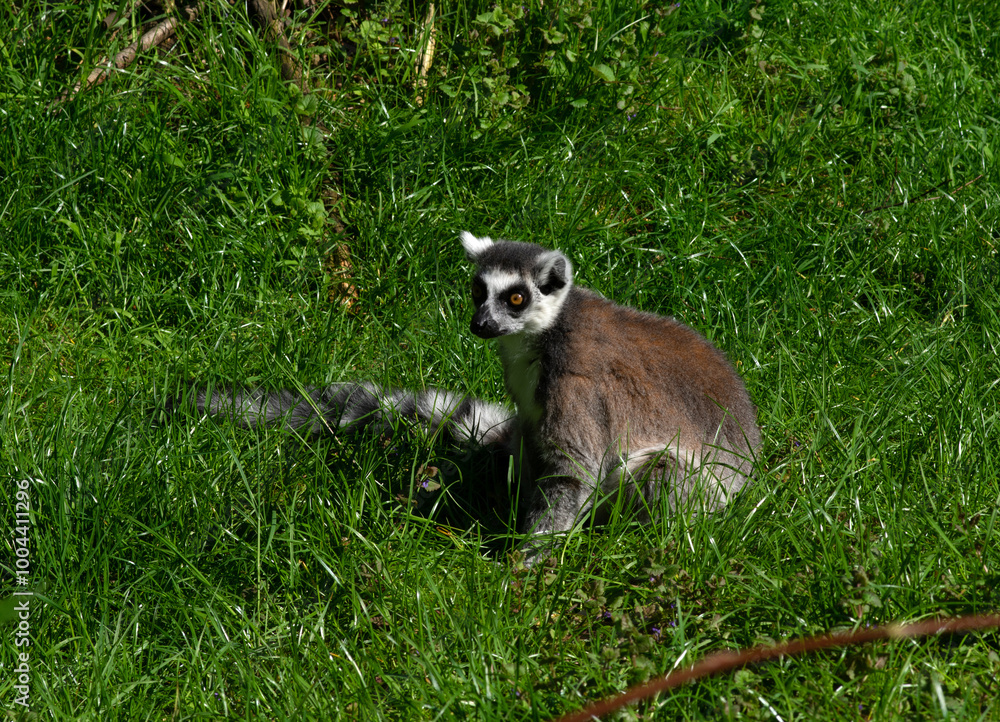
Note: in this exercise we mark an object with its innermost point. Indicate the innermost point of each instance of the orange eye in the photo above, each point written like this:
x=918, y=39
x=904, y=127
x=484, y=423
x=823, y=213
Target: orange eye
x=516, y=299
x=477, y=291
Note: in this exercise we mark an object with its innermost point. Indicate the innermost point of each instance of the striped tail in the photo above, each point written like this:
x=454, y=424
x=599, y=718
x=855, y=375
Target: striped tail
x=355, y=406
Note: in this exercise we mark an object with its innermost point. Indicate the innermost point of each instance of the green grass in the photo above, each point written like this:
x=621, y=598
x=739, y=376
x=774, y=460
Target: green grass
x=812, y=185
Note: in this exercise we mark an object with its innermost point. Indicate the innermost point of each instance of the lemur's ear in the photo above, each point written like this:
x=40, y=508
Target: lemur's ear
x=474, y=246
x=552, y=271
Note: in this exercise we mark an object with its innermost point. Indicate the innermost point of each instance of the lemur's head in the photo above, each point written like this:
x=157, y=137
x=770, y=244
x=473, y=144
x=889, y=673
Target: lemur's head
x=518, y=287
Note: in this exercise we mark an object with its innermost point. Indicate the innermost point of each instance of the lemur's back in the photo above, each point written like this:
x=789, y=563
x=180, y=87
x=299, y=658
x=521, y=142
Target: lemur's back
x=622, y=389
x=651, y=374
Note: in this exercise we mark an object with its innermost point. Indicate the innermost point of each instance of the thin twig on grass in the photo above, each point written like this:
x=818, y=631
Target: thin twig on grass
x=729, y=660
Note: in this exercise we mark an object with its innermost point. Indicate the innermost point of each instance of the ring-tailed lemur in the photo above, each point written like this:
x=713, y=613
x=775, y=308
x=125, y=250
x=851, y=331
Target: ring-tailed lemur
x=609, y=399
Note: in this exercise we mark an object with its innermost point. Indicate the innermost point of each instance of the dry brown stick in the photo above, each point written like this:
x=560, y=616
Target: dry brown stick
x=110, y=20
x=726, y=661
x=127, y=56
x=267, y=17
x=426, y=56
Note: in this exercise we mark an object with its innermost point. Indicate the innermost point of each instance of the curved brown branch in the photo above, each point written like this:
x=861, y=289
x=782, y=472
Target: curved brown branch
x=726, y=661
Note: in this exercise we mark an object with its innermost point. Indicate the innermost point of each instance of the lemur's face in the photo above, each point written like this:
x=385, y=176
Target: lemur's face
x=518, y=287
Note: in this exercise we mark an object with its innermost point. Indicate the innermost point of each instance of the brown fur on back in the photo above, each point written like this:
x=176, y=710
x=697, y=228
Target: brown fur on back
x=653, y=373
x=618, y=380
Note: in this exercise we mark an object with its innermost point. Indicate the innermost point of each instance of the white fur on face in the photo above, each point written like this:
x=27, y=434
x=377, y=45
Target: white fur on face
x=544, y=310
x=497, y=281
x=474, y=246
